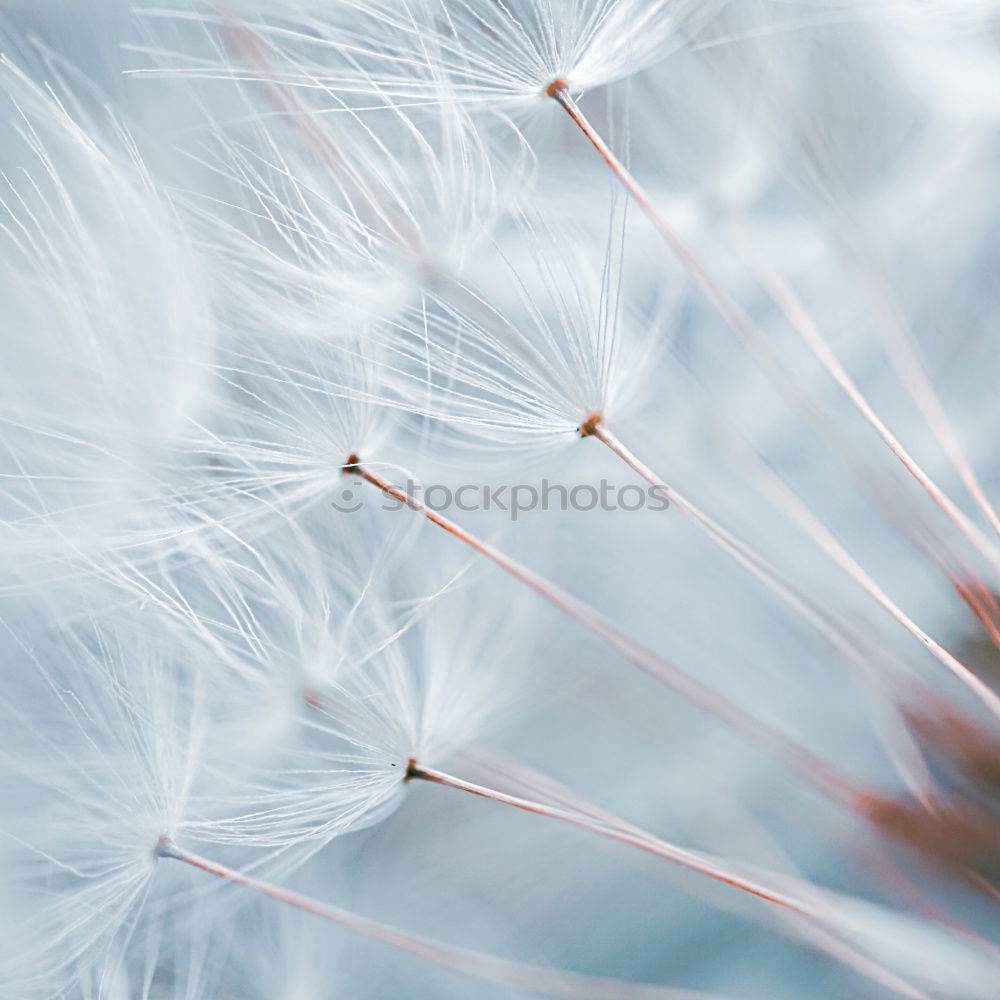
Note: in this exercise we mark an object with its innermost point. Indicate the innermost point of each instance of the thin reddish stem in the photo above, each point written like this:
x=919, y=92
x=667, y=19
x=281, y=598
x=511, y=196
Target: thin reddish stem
x=901, y=349
x=819, y=772
x=518, y=975
x=534, y=782
x=743, y=326
x=986, y=695
x=822, y=921
x=725, y=305
x=916, y=778
x=624, y=834
x=802, y=322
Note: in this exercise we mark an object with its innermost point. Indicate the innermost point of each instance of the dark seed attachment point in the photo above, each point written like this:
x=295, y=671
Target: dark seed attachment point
x=589, y=427
x=555, y=87
x=352, y=465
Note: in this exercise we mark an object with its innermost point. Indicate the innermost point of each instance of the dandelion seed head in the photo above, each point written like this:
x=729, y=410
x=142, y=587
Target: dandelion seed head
x=111, y=328
x=499, y=55
x=283, y=425
x=365, y=273
x=113, y=744
x=331, y=222
x=531, y=372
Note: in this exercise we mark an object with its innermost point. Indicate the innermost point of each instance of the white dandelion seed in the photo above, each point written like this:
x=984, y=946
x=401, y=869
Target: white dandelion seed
x=558, y=367
x=423, y=47
x=360, y=212
x=109, y=744
x=230, y=694
x=108, y=330
x=499, y=55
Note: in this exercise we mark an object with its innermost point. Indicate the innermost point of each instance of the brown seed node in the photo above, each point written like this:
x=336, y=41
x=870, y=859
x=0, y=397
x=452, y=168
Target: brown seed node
x=589, y=427
x=352, y=465
x=557, y=85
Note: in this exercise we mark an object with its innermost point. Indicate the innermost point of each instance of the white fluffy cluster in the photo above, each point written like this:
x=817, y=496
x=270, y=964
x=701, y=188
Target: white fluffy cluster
x=257, y=259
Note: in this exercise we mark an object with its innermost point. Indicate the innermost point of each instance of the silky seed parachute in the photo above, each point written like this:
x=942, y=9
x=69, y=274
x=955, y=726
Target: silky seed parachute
x=110, y=329
x=271, y=698
x=499, y=56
